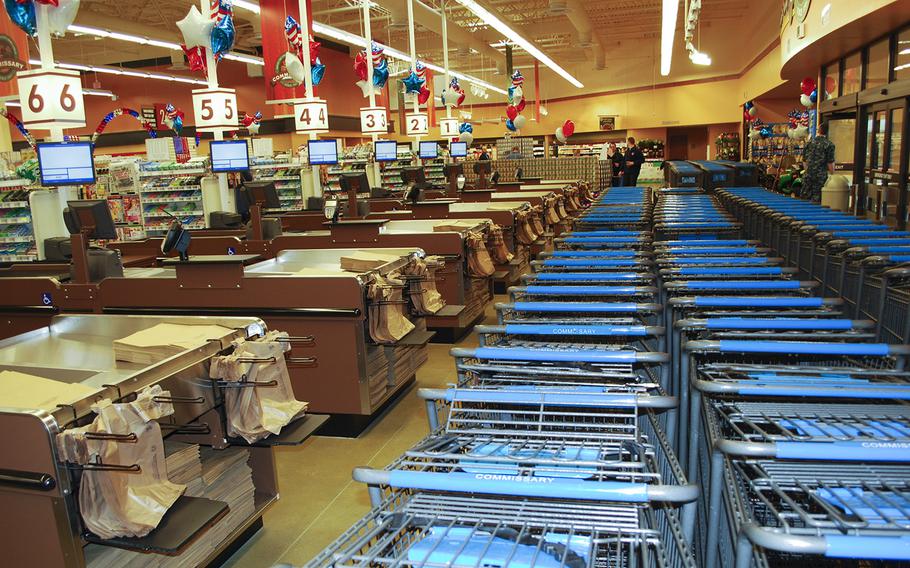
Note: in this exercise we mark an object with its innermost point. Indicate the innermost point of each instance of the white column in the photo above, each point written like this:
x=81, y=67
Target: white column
x=308, y=82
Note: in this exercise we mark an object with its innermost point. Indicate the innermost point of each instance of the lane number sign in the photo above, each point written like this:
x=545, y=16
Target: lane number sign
x=215, y=109
x=448, y=127
x=51, y=99
x=373, y=120
x=417, y=124
x=311, y=116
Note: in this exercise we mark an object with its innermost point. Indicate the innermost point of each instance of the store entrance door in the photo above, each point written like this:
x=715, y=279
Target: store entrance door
x=678, y=147
x=884, y=171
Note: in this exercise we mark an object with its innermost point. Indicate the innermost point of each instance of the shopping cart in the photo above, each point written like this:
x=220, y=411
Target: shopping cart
x=593, y=313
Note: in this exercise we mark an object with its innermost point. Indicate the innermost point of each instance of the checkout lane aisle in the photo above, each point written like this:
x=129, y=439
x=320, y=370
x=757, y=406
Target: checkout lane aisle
x=319, y=500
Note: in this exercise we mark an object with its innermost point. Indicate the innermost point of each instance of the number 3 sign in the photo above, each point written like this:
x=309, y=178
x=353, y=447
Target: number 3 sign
x=311, y=116
x=373, y=120
x=51, y=99
x=416, y=124
x=215, y=109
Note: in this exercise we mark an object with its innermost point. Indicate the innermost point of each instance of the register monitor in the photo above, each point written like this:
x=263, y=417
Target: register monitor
x=356, y=181
x=323, y=152
x=90, y=217
x=458, y=149
x=429, y=150
x=386, y=150
x=413, y=174
x=229, y=156
x=66, y=163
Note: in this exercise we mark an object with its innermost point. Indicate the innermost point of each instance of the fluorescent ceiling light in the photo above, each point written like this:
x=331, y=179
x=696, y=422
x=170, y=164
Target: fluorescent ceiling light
x=127, y=72
x=700, y=58
x=98, y=32
x=516, y=38
x=246, y=5
x=667, y=31
x=359, y=41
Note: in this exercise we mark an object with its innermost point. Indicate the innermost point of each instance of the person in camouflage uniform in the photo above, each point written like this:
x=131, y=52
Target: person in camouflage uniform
x=818, y=158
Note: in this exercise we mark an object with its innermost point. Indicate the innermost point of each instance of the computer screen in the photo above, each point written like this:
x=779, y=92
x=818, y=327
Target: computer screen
x=428, y=150
x=323, y=152
x=386, y=150
x=229, y=156
x=66, y=163
x=458, y=149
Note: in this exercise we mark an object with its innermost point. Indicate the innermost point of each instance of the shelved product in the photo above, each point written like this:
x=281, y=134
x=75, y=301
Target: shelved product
x=285, y=173
x=171, y=190
x=727, y=146
x=17, y=241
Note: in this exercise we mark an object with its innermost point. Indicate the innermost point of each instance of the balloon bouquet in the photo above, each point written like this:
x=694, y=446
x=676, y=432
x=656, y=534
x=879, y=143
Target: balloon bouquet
x=200, y=32
x=453, y=96
x=251, y=122
x=293, y=59
x=414, y=83
x=809, y=92
x=380, y=68
x=514, y=120
x=60, y=14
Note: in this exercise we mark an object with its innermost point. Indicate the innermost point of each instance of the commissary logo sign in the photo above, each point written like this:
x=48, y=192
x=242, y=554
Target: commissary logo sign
x=10, y=63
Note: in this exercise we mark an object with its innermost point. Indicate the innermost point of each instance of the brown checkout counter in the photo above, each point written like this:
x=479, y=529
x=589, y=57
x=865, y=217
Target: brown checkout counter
x=40, y=491
x=333, y=363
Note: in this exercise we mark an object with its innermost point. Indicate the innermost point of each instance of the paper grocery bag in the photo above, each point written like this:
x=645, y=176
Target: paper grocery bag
x=551, y=211
x=526, y=233
x=480, y=265
x=388, y=322
x=537, y=220
x=498, y=249
x=422, y=287
x=118, y=503
x=254, y=413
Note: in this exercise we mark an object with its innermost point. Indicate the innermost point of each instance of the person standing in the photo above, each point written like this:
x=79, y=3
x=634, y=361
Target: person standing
x=617, y=162
x=634, y=159
x=818, y=160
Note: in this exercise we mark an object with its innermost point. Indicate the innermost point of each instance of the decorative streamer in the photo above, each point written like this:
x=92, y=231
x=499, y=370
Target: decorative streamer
x=123, y=111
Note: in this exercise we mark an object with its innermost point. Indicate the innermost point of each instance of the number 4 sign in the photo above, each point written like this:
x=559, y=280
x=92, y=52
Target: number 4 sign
x=215, y=109
x=51, y=99
x=311, y=116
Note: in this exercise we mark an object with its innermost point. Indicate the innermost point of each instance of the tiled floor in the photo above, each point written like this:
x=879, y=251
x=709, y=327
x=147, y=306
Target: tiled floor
x=318, y=498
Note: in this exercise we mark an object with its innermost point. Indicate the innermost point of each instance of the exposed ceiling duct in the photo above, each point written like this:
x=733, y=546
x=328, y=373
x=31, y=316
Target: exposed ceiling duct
x=429, y=19
x=587, y=38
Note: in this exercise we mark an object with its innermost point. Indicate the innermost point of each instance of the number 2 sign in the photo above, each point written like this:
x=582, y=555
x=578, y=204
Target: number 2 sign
x=51, y=99
x=416, y=124
x=311, y=116
x=215, y=109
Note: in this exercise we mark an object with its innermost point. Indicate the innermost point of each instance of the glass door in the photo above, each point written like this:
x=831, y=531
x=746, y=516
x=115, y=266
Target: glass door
x=884, y=168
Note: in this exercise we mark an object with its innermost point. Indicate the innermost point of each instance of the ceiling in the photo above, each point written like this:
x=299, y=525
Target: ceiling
x=606, y=44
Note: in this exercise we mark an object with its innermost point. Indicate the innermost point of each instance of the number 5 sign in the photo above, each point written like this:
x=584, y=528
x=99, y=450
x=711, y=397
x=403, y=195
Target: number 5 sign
x=416, y=124
x=311, y=116
x=373, y=120
x=215, y=109
x=51, y=99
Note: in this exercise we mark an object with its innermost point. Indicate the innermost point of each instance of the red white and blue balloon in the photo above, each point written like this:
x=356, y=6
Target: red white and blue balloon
x=223, y=32
x=453, y=96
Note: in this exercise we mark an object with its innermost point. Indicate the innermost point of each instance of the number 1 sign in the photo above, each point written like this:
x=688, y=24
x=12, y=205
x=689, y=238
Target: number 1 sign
x=215, y=109
x=311, y=116
x=51, y=99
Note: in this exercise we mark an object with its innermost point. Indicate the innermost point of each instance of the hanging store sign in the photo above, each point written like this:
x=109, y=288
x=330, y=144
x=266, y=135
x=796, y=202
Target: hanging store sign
x=417, y=124
x=311, y=116
x=373, y=120
x=448, y=127
x=215, y=109
x=51, y=99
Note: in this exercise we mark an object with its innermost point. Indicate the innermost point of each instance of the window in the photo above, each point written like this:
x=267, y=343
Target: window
x=902, y=63
x=870, y=138
x=897, y=124
x=852, y=73
x=841, y=131
x=879, y=146
x=877, y=69
x=831, y=74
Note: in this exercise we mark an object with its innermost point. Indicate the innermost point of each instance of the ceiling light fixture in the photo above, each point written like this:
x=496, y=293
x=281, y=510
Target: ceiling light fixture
x=518, y=40
x=695, y=56
x=128, y=72
x=98, y=32
x=699, y=58
x=244, y=4
x=359, y=41
x=667, y=31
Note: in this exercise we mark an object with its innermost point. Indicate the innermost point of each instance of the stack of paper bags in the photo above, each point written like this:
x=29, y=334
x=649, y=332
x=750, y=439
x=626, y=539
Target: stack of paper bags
x=454, y=226
x=165, y=340
x=21, y=390
x=363, y=261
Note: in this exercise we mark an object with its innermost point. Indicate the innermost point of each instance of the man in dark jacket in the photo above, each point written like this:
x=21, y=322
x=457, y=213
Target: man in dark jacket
x=634, y=159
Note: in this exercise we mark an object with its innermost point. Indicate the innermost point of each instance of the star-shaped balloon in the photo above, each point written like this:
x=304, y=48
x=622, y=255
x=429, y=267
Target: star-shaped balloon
x=196, y=58
x=317, y=70
x=196, y=28
x=314, y=50
x=365, y=87
x=517, y=78
x=381, y=73
x=412, y=83
x=223, y=36
x=465, y=127
x=293, y=34
x=423, y=95
x=360, y=65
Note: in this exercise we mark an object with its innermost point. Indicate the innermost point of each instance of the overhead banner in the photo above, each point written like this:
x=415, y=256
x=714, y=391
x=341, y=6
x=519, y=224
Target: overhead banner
x=13, y=56
x=280, y=84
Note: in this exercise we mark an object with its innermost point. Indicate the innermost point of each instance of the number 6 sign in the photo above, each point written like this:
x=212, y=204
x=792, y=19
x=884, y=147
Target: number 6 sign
x=215, y=109
x=373, y=120
x=416, y=124
x=311, y=116
x=51, y=99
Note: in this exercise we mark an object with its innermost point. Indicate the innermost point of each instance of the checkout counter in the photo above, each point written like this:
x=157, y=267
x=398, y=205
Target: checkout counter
x=457, y=245
x=41, y=486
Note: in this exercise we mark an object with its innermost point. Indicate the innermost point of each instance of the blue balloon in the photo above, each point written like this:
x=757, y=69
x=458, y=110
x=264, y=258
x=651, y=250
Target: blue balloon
x=223, y=36
x=814, y=95
x=317, y=70
x=412, y=83
x=510, y=125
x=465, y=127
x=381, y=73
x=23, y=15
x=511, y=92
x=749, y=104
x=178, y=125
